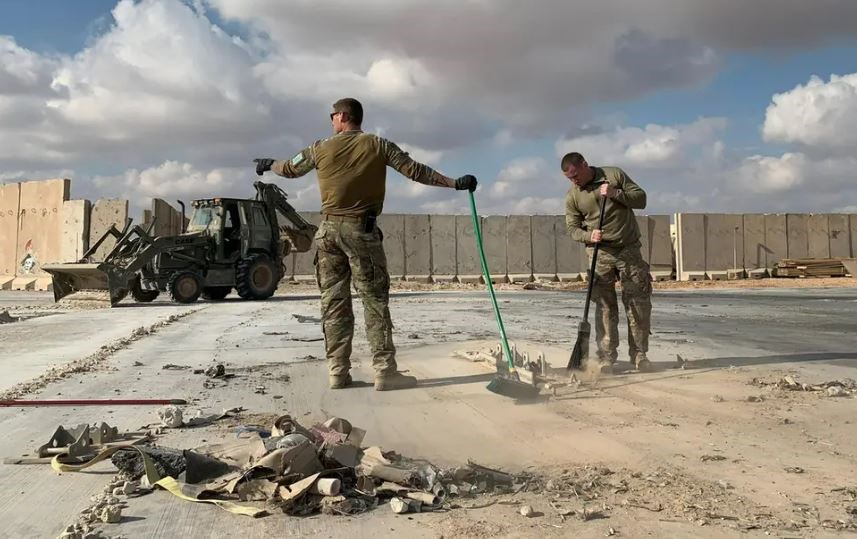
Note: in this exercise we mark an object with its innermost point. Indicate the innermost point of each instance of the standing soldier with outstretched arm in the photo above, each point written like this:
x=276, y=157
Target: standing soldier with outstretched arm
x=352, y=167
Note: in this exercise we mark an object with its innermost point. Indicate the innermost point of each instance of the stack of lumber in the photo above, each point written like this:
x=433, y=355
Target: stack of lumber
x=810, y=267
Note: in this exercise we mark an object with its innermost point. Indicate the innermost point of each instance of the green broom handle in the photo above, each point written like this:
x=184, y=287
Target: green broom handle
x=510, y=360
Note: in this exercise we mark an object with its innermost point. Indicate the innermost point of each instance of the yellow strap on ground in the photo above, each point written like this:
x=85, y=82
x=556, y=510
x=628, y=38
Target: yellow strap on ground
x=167, y=483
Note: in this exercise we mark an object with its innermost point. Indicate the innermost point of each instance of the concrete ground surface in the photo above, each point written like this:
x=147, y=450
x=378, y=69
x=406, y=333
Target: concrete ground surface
x=714, y=434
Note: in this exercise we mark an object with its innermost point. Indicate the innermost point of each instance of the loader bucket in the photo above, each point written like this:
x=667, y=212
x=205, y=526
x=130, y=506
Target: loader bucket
x=76, y=277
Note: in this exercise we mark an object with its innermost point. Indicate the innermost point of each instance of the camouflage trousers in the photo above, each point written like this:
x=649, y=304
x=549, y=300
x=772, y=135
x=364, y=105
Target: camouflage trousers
x=627, y=265
x=346, y=253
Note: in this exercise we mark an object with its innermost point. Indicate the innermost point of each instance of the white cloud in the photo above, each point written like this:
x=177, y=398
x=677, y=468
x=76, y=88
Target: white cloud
x=820, y=115
x=655, y=146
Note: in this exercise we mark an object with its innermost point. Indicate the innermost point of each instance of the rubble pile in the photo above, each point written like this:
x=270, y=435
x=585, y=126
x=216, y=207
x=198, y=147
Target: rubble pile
x=320, y=469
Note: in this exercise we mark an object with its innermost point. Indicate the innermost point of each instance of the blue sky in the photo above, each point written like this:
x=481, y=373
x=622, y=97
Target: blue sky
x=146, y=98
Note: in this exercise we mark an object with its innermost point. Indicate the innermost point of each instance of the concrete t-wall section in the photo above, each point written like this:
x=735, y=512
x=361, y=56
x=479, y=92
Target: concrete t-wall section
x=690, y=246
x=544, y=247
x=494, y=238
x=519, y=254
x=40, y=227
x=10, y=198
x=417, y=247
x=106, y=213
x=797, y=232
x=393, y=228
x=301, y=267
x=776, y=239
x=165, y=217
x=570, y=254
x=75, y=231
x=853, y=221
x=643, y=225
x=468, y=267
x=840, y=236
x=660, y=248
x=754, y=243
x=724, y=244
x=818, y=234
x=443, y=247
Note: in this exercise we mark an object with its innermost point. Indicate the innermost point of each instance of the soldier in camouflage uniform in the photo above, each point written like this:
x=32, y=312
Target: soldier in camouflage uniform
x=351, y=167
x=618, y=255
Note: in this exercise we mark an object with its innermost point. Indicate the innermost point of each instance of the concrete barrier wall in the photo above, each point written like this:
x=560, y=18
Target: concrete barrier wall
x=40, y=226
x=690, y=246
x=494, y=238
x=519, y=251
x=417, y=247
x=818, y=236
x=393, y=228
x=840, y=236
x=75, y=229
x=853, y=221
x=756, y=242
x=724, y=244
x=106, y=213
x=443, y=247
x=10, y=200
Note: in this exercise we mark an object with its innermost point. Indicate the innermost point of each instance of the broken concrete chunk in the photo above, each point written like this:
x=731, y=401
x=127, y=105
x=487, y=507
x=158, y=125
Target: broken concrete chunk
x=339, y=425
x=794, y=469
x=111, y=514
x=399, y=506
x=171, y=416
x=837, y=391
x=346, y=455
x=717, y=398
x=527, y=511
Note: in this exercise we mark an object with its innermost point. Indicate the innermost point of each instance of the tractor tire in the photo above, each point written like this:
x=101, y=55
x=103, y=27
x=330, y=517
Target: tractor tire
x=143, y=296
x=256, y=277
x=216, y=293
x=184, y=286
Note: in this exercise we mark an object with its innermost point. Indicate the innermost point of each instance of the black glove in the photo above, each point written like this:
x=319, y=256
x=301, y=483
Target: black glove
x=263, y=165
x=466, y=182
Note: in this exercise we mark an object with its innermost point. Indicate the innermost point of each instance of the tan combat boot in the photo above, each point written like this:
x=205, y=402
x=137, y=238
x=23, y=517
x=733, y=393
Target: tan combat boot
x=339, y=381
x=642, y=363
x=393, y=381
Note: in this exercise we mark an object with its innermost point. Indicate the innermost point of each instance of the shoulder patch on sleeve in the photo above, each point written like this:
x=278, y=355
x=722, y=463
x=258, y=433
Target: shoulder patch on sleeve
x=298, y=159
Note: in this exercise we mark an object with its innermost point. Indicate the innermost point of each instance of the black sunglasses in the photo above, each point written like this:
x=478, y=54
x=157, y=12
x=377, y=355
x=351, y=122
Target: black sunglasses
x=332, y=114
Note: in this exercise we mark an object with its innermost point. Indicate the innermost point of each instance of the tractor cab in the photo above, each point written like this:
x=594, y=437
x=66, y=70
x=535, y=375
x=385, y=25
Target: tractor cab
x=237, y=226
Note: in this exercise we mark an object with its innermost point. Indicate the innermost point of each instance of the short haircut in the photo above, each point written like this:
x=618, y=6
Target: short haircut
x=572, y=158
x=351, y=107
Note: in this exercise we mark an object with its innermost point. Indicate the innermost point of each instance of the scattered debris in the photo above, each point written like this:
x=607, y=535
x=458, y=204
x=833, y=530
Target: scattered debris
x=306, y=339
x=414, y=336
x=794, y=469
x=834, y=388
x=171, y=417
x=837, y=391
x=6, y=318
x=755, y=398
x=259, y=389
x=712, y=458
x=275, y=333
x=174, y=367
x=216, y=371
x=527, y=511
x=717, y=398
x=306, y=319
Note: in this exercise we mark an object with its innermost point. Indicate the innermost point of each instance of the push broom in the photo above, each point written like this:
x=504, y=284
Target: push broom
x=506, y=383
x=581, y=347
